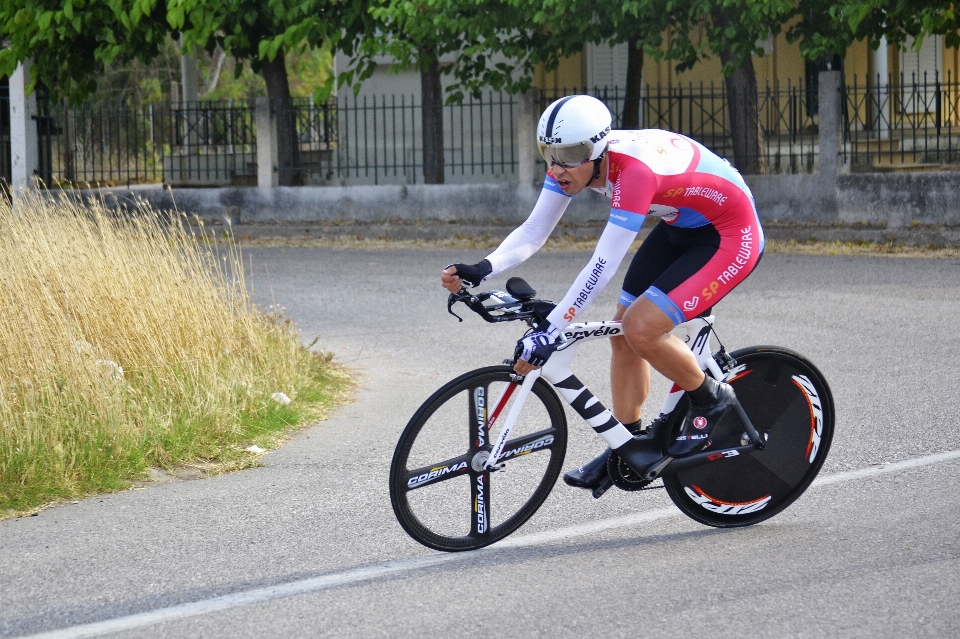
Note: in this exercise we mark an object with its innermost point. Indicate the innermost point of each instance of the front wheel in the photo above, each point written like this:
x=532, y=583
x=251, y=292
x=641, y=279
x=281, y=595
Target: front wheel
x=789, y=401
x=441, y=493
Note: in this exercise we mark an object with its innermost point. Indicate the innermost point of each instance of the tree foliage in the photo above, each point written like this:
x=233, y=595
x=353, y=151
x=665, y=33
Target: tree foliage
x=72, y=42
x=258, y=31
x=498, y=44
x=831, y=26
x=261, y=32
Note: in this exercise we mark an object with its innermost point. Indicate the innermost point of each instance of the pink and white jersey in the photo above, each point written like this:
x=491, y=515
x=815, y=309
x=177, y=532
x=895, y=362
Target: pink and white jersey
x=667, y=175
x=650, y=172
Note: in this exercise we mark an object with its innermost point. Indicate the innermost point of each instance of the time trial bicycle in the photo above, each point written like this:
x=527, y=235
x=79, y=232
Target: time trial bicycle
x=455, y=485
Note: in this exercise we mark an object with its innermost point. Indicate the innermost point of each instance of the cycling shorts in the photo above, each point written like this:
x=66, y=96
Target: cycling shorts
x=685, y=271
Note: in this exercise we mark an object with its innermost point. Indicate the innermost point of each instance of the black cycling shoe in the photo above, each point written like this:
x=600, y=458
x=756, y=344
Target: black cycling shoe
x=640, y=453
x=590, y=475
x=700, y=420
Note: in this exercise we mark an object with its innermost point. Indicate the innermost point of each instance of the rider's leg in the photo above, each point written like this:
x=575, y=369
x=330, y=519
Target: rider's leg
x=629, y=377
x=693, y=269
x=630, y=385
x=715, y=261
x=646, y=329
x=629, y=372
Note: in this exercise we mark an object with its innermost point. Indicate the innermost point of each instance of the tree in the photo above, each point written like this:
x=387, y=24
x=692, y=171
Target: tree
x=820, y=27
x=731, y=30
x=498, y=44
x=260, y=31
x=831, y=26
x=417, y=35
x=639, y=23
x=72, y=43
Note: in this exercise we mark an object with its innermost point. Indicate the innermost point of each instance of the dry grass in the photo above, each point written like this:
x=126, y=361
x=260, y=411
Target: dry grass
x=562, y=242
x=126, y=344
x=815, y=247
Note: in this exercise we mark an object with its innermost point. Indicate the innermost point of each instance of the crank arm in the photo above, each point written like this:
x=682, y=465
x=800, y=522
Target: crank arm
x=756, y=440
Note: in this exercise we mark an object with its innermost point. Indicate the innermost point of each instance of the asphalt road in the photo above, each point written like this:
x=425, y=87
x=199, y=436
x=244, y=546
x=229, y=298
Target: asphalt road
x=307, y=545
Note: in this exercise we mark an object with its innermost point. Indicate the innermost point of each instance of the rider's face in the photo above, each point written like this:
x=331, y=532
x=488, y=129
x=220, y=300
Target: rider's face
x=575, y=179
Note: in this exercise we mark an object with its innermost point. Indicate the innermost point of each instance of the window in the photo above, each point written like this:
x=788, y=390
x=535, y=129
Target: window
x=920, y=71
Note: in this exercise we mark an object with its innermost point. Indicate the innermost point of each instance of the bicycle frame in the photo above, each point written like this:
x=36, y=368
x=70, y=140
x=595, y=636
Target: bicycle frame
x=578, y=396
x=738, y=479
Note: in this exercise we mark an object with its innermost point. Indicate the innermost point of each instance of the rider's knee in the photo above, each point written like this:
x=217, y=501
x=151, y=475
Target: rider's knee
x=641, y=334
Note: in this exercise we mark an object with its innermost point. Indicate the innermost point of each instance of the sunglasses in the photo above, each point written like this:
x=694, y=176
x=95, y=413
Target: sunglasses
x=568, y=156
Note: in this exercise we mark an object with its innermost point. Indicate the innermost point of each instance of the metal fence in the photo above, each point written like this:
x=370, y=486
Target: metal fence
x=789, y=129
x=902, y=122
x=207, y=143
x=378, y=140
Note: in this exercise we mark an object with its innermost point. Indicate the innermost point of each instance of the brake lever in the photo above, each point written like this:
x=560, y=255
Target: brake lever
x=452, y=299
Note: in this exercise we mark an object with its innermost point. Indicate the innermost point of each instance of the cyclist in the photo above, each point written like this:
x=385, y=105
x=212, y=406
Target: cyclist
x=707, y=241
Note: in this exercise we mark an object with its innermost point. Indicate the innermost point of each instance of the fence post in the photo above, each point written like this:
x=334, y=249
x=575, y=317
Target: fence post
x=266, y=145
x=831, y=107
x=527, y=140
x=24, y=160
x=830, y=110
x=191, y=96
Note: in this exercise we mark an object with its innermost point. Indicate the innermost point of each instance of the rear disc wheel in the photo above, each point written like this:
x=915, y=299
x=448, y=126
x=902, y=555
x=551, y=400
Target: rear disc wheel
x=788, y=401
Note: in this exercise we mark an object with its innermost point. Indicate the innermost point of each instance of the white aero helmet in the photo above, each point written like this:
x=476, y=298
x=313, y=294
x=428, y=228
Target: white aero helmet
x=572, y=130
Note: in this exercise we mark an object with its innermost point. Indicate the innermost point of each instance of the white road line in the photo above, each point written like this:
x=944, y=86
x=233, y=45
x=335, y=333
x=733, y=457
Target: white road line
x=887, y=468
x=367, y=573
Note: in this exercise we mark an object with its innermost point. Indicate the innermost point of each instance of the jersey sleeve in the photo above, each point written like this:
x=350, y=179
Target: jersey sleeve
x=527, y=238
x=633, y=191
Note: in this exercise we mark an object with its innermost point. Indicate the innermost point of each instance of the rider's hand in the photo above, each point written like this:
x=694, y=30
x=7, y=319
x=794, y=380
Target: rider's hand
x=456, y=276
x=534, y=350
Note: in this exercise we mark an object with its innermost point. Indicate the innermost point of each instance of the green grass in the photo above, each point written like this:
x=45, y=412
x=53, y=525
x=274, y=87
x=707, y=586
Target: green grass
x=126, y=344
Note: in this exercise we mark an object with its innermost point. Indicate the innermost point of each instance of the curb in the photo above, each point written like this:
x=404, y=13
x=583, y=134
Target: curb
x=915, y=236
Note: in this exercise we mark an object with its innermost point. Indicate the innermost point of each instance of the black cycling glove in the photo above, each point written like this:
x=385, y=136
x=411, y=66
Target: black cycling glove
x=473, y=274
x=537, y=347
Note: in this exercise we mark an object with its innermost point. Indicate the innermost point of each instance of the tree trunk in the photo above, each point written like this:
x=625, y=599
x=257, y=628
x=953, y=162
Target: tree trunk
x=631, y=102
x=288, y=146
x=748, y=139
x=432, y=96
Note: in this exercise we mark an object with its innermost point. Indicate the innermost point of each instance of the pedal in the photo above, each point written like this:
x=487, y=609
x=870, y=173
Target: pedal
x=606, y=485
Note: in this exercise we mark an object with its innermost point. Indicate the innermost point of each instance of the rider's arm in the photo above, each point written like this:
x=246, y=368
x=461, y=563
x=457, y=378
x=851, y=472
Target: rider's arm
x=632, y=195
x=527, y=238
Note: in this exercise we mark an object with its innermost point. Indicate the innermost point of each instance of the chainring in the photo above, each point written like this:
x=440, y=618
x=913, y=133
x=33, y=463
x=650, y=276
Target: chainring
x=622, y=475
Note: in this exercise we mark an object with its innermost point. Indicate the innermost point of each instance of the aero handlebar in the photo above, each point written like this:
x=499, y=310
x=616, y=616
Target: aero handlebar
x=518, y=303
